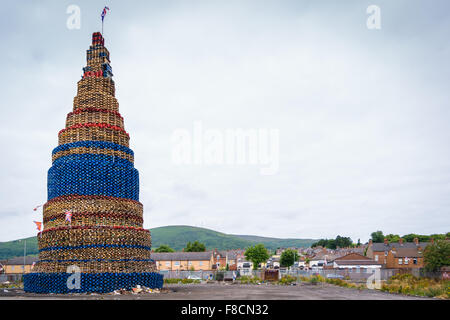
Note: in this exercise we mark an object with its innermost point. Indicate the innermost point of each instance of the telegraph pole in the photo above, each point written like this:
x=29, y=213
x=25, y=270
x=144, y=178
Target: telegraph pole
x=24, y=253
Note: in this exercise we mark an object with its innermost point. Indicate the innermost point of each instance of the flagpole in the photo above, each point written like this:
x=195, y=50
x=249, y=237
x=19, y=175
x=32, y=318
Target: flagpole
x=24, y=253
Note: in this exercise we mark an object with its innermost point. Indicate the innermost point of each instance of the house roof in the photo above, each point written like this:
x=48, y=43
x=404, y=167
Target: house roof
x=356, y=262
x=325, y=256
x=231, y=254
x=407, y=253
x=19, y=261
x=331, y=255
x=181, y=256
x=378, y=247
x=359, y=250
x=352, y=256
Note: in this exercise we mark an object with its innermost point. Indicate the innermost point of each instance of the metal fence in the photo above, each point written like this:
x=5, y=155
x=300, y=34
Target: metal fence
x=195, y=275
x=11, y=277
x=430, y=274
x=202, y=275
x=358, y=276
x=355, y=275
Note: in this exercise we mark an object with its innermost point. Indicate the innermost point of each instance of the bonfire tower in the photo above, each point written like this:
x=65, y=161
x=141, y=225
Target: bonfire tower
x=93, y=218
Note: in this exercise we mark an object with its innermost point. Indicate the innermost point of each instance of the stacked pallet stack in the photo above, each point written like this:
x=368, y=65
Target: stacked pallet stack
x=93, y=178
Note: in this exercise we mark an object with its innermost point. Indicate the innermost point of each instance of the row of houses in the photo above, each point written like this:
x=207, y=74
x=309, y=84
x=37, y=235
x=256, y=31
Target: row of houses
x=387, y=255
x=398, y=255
x=17, y=265
x=197, y=261
x=365, y=258
x=165, y=261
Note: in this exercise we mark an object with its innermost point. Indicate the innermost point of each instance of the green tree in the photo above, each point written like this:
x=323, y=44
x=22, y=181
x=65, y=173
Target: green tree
x=438, y=236
x=410, y=237
x=331, y=244
x=195, y=247
x=288, y=257
x=257, y=254
x=164, y=248
x=377, y=236
x=393, y=237
x=321, y=243
x=326, y=243
x=437, y=255
x=343, y=242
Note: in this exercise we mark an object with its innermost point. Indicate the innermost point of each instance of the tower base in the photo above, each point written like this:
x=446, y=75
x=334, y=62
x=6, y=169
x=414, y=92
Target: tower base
x=90, y=282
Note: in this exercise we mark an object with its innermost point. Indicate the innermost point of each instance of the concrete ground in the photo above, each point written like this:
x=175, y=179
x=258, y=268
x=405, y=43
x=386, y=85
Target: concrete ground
x=303, y=291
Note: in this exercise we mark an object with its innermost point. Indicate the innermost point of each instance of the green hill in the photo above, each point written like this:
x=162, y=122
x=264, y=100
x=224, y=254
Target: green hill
x=274, y=243
x=176, y=237
x=15, y=248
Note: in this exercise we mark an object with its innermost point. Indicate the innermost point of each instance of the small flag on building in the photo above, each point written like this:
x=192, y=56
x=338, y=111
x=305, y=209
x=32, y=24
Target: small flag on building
x=104, y=12
x=35, y=209
x=69, y=216
x=38, y=225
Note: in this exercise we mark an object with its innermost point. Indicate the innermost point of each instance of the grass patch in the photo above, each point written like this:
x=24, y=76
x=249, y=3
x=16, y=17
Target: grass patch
x=12, y=285
x=181, y=281
x=410, y=285
x=337, y=282
x=249, y=280
x=287, y=280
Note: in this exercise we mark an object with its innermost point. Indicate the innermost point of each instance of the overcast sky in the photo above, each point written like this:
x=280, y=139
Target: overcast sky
x=363, y=115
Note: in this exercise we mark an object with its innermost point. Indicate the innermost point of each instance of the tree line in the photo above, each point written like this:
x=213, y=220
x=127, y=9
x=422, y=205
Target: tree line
x=378, y=237
x=195, y=246
x=338, y=242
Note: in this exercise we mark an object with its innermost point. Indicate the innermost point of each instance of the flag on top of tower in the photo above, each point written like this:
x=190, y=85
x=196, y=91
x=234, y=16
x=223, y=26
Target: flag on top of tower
x=105, y=10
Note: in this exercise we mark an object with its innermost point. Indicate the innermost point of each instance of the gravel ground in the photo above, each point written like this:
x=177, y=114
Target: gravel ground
x=227, y=292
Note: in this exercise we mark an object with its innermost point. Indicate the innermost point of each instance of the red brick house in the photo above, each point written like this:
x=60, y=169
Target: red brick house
x=398, y=255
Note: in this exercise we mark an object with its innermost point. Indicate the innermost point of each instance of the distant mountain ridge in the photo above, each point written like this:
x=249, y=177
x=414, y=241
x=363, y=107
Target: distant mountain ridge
x=176, y=237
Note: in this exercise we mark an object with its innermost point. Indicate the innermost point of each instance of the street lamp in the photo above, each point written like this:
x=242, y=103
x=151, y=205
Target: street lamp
x=24, y=253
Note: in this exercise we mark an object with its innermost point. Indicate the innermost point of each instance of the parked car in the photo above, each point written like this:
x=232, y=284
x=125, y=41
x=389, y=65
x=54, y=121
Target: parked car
x=194, y=277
